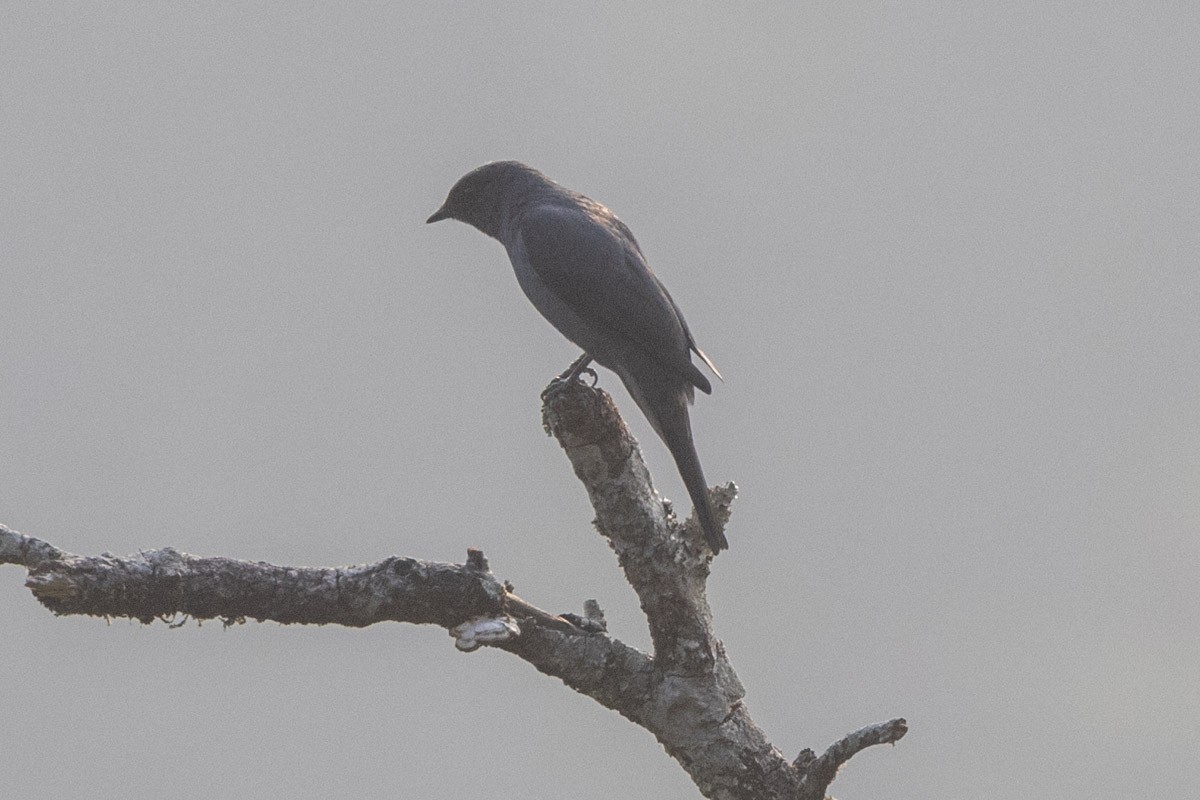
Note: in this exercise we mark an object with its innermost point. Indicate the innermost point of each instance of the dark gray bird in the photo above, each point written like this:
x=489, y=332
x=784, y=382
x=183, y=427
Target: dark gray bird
x=583, y=270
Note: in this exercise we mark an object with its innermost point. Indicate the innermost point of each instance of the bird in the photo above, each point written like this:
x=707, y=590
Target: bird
x=584, y=271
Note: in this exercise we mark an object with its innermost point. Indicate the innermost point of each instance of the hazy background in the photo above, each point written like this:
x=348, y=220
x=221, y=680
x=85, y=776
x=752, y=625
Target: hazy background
x=946, y=257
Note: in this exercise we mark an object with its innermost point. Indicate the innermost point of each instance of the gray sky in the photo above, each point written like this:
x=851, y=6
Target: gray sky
x=945, y=256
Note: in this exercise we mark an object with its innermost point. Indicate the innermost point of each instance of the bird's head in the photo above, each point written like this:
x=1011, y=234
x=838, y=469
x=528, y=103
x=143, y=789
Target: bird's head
x=480, y=197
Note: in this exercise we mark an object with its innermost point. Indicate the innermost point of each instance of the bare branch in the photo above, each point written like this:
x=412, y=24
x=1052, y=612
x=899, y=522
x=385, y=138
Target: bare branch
x=28, y=552
x=687, y=694
x=159, y=583
x=820, y=772
x=666, y=562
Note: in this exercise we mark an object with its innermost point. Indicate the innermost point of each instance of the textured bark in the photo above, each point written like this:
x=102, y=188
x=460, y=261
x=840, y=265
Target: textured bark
x=687, y=693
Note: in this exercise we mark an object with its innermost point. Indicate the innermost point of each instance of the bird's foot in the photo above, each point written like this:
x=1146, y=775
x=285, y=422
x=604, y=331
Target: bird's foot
x=577, y=368
x=562, y=382
x=573, y=373
x=588, y=371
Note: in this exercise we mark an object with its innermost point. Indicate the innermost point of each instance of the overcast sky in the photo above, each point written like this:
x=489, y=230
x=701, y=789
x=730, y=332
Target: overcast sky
x=946, y=258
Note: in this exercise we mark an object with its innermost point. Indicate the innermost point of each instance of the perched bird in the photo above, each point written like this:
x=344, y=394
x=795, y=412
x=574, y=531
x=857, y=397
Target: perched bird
x=582, y=269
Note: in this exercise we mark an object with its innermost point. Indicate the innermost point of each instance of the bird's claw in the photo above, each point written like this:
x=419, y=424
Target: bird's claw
x=572, y=373
x=567, y=379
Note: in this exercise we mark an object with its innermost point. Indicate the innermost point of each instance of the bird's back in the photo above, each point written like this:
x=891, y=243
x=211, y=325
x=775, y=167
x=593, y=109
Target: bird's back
x=582, y=268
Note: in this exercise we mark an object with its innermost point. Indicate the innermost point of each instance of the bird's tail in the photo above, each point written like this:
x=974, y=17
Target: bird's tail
x=684, y=452
x=668, y=414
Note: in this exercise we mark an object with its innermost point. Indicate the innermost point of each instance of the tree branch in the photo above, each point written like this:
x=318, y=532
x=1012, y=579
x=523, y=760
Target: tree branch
x=165, y=582
x=687, y=694
x=666, y=563
x=17, y=548
x=820, y=772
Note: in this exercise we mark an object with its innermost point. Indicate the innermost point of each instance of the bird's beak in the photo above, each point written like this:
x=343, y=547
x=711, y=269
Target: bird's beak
x=439, y=215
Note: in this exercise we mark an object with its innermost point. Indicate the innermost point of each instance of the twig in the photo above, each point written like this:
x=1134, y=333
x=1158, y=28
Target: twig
x=820, y=772
x=27, y=551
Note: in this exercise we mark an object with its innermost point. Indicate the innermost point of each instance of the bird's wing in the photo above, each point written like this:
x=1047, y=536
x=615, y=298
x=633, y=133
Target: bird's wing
x=591, y=262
